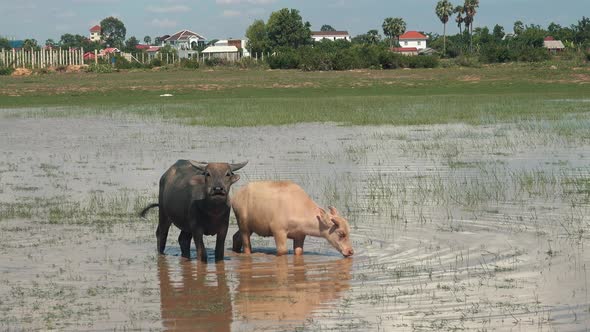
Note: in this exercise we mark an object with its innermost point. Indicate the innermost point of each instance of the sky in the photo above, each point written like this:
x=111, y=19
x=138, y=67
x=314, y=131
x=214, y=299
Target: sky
x=221, y=19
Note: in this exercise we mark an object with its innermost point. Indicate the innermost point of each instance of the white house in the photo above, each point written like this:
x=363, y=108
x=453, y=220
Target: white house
x=229, y=53
x=413, y=39
x=330, y=35
x=239, y=43
x=95, y=33
x=184, y=40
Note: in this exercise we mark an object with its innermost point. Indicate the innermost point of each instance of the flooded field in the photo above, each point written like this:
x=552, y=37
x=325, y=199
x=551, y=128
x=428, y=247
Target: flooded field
x=454, y=227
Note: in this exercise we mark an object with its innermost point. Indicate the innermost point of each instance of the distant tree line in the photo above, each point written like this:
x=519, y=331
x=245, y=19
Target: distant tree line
x=113, y=33
x=287, y=39
x=525, y=43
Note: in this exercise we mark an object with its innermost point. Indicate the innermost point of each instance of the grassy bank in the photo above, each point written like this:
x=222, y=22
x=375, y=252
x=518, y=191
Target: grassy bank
x=264, y=97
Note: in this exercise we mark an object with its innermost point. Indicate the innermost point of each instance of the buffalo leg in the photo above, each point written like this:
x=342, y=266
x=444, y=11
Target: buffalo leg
x=184, y=239
x=281, y=242
x=220, y=243
x=237, y=242
x=246, y=242
x=298, y=246
x=162, y=231
x=200, y=245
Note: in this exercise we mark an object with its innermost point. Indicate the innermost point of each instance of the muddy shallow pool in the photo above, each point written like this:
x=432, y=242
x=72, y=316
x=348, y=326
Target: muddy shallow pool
x=453, y=226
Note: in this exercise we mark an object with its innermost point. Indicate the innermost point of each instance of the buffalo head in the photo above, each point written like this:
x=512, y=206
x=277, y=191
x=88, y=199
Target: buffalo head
x=339, y=231
x=218, y=178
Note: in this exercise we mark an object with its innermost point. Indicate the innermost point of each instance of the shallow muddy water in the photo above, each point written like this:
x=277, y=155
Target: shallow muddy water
x=453, y=226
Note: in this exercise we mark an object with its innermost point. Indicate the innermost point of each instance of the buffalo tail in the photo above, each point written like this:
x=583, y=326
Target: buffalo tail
x=144, y=211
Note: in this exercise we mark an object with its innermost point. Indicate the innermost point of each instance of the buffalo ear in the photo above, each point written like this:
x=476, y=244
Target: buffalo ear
x=234, y=178
x=235, y=167
x=323, y=217
x=201, y=166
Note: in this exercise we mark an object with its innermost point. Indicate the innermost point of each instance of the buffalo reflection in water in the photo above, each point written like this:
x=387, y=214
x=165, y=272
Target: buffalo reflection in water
x=272, y=293
x=199, y=300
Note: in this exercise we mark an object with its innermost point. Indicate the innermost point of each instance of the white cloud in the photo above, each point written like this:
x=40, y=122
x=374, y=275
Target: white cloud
x=164, y=23
x=169, y=9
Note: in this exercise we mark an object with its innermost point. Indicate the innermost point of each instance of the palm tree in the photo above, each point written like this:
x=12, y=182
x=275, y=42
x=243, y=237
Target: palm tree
x=393, y=28
x=373, y=36
x=459, y=10
x=470, y=11
x=518, y=27
x=444, y=9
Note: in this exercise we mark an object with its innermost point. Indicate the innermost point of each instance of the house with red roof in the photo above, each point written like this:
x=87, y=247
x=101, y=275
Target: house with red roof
x=108, y=50
x=554, y=46
x=413, y=39
x=405, y=50
x=95, y=33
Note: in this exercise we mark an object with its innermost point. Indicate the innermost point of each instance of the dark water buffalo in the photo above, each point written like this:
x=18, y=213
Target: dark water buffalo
x=195, y=197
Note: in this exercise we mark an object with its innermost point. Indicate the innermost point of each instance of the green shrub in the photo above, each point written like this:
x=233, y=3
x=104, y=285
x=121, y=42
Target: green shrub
x=213, y=62
x=99, y=68
x=467, y=61
x=156, y=62
x=122, y=63
x=283, y=59
x=390, y=60
x=190, y=63
x=250, y=62
x=495, y=54
x=6, y=70
x=532, y=54
x=346, y=59
x=369, y=55
x=314, y=59
x=420, y=61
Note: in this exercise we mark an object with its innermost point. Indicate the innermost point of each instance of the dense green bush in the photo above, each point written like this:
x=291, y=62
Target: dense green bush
x=284, y=59
x=329, y=55
x=99, y=68
x=467, y=61
x=390, y=60
x=346, y=60
x=495, y=54
x=122, y=63
x=156, y=62
x=420, y=61
x=6, y=70
x=314, y=59
x=249, y=62
x=530, y=54
x=213, y=62
x=369, y=55
x=189, y=63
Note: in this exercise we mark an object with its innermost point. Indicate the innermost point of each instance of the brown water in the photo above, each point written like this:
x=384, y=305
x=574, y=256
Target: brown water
x=454, y=227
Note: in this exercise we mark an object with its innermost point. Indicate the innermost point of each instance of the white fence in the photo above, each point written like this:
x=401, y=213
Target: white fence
x=66, y=57
x=42, y=58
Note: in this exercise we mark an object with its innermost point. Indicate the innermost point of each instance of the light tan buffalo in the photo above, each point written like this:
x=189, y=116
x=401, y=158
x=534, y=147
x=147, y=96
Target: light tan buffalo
x=283, y=210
